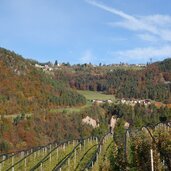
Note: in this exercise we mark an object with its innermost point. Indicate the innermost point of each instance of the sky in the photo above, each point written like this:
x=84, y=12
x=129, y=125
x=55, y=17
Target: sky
x=87, y=31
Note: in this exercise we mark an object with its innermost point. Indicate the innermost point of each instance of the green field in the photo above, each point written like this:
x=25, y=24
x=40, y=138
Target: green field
x=91, y=95
x=71, y=109
x=124, y=67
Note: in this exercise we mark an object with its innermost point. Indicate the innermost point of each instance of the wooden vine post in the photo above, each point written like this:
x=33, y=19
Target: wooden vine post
x=152, y=160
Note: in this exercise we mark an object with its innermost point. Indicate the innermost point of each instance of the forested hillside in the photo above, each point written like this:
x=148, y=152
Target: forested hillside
x=165, y=65
x=23, y=88
x=26, y=89
x=152, y=82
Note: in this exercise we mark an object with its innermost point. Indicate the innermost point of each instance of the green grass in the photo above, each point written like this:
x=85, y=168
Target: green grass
x=71, y=109
x=31, y=158
x=91, y=95
x=56, y=156
x=122, y=68
x=87, y=157
x=75, y=160
x=103, y=161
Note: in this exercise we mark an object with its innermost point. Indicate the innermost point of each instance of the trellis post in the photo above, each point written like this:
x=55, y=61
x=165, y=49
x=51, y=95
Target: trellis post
x=152, y=161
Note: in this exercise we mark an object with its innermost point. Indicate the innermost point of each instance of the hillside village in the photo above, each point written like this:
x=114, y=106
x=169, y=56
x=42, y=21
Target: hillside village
x=49, y=66
x=133, y=102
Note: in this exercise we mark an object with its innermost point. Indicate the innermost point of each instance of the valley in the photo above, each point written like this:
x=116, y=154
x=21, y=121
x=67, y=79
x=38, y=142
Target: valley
x=60, y=118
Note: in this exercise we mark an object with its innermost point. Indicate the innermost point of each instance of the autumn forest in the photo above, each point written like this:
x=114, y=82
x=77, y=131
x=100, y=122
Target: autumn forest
x=42, y=104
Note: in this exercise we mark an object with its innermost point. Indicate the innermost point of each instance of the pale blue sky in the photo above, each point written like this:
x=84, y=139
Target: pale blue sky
x=79, y=31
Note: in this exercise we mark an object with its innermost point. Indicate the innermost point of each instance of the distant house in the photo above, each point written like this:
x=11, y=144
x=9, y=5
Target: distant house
x=39, y=66
x=109, y=101
x=132, y=102
x=101, y=101
x=47, y=68
x=44, y=67
x=98, y=101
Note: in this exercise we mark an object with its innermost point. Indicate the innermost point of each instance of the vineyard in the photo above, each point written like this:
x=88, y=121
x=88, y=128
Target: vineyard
x=68, y=155
x=148, y=148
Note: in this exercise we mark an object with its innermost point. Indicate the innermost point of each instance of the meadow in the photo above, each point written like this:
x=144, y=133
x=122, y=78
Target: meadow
x=91, y=95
